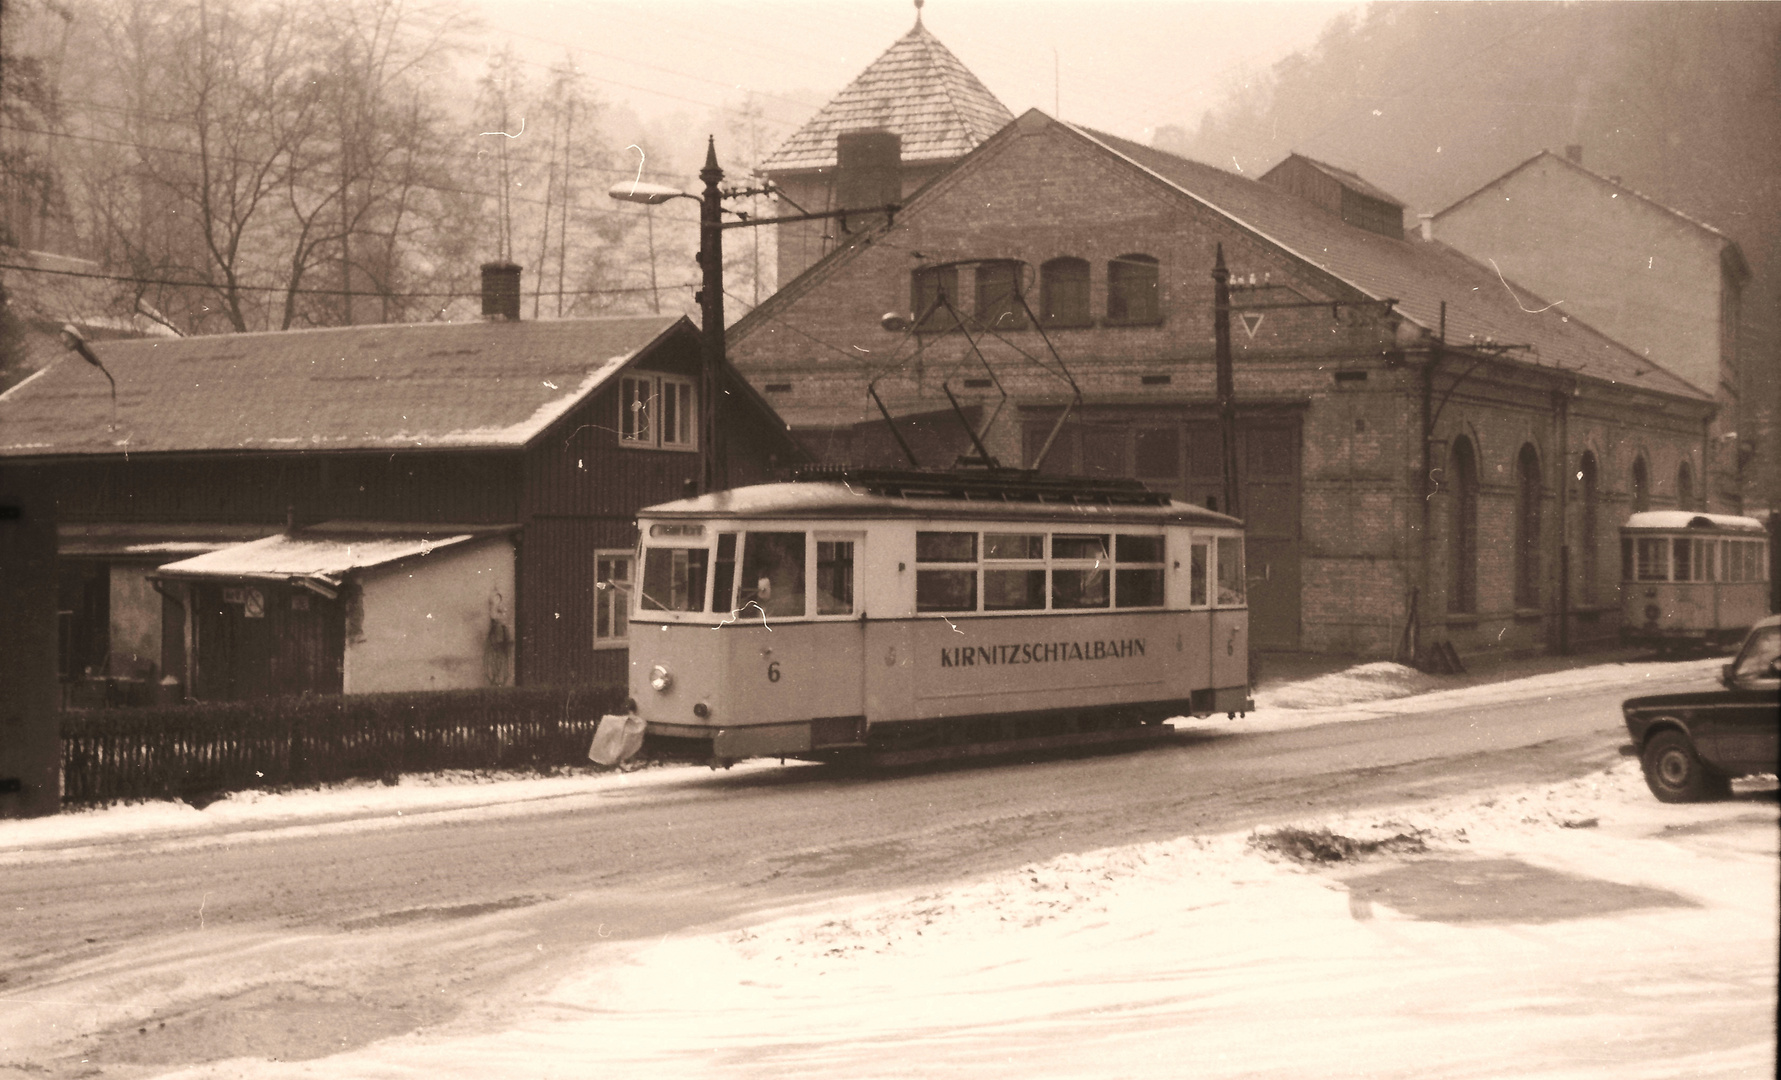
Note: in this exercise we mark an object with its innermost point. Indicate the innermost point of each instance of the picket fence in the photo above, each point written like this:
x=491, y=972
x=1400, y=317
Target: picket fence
x=199, y=751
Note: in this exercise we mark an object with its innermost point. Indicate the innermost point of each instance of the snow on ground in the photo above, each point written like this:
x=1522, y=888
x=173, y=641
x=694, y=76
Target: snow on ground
x=1652, y=954
x=1362, y=692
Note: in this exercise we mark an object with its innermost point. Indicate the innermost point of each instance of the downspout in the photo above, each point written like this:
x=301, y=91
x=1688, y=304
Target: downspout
x=1426, y=484
x=1563, y=420
x=188, y=630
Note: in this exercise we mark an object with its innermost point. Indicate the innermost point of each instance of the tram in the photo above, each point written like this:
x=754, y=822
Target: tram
x=916, y=615
x=1691, y=580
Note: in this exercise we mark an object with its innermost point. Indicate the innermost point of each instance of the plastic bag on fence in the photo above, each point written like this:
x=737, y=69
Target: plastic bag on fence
x=617, y=739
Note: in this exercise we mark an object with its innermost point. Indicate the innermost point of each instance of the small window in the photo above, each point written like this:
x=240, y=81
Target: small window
x=1230, y=570
x=658, y=411
x=612, y=598
x=1682, y=568
x=1017, y=581
x=834, y=577
x=1138, y=571
x=998, y=296
x=723, y=579
x=943, y=589
x=773, y=573
x=1131, y=290
x=926, y=287
x=674, y=579
x=1079, y=571
x=1196, y=574
x=1652, y=559
x=1063, y=293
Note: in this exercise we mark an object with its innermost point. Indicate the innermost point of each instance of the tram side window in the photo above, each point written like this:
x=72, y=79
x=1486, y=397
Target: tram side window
x=674, y=579
x=1681, y=568
x=940, y=588
x=834, y=577
x=1196, y=574
x=1652, y=559
x=1138, y=571
x=1230, y=570
x=1016, y=581
x=773, y=573
x=1079, y=566
x=723, y=578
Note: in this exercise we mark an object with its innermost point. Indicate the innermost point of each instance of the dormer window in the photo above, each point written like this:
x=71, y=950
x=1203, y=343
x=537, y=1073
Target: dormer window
x=1131, y=290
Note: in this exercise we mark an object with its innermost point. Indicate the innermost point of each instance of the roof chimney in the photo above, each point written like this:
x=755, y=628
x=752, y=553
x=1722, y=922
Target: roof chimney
x=500, y=292
x=1574, y=153
x=868, y=169
x=1425, y=222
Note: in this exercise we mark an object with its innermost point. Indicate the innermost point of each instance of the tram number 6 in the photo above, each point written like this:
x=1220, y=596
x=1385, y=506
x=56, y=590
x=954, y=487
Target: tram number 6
x=773, y=671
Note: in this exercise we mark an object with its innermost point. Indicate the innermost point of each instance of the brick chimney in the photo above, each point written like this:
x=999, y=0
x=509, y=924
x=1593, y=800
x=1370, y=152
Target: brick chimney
x=868, y=169
x=500, y=292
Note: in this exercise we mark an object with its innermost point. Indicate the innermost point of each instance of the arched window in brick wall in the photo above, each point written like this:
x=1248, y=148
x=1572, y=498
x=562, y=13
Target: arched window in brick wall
x=1527, y=527
x=926, y=285
x=1684, y=487
x=1587, y=540
x=1462, y=545
x=998, y=295
x=1641, y=486
x=1131, y=290
x=1063, y=293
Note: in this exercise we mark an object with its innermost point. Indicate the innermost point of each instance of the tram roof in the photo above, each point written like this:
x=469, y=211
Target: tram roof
x=854, y=501
x=1688, y=519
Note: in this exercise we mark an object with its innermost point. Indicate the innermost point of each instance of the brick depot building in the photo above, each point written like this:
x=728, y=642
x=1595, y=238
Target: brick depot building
x=1423, y=445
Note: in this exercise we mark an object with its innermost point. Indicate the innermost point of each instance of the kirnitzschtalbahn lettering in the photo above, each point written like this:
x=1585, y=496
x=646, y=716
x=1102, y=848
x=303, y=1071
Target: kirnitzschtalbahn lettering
x=1040, y=652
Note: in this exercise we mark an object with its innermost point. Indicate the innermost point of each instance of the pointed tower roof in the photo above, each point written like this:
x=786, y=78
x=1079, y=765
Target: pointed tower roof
x=918, y=90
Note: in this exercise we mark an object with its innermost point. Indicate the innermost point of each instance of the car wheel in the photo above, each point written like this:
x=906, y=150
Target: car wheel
x=1675, y=773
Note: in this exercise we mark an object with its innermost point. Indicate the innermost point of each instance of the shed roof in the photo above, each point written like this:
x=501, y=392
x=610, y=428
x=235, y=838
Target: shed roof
x=484, y=385
x=918, y=90
x=327, y=553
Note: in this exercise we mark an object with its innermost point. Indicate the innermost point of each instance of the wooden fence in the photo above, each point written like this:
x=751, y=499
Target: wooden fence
x=199, y=751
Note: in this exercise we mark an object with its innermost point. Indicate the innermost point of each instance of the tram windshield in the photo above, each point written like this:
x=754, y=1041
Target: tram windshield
x=773, y=573
x=674, y=579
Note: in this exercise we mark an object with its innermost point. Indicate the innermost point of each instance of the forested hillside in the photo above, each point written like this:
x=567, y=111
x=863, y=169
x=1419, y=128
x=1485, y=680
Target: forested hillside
x=1432, y=100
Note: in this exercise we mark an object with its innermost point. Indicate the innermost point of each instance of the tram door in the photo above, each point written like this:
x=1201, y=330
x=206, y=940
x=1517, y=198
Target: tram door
x=1189, y=556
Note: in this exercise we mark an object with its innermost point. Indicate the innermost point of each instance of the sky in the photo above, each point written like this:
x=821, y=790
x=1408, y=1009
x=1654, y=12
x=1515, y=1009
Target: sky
x=1124, y=66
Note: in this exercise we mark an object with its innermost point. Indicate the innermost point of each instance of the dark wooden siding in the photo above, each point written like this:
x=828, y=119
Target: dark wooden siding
x=472, y=488
x=555, y=616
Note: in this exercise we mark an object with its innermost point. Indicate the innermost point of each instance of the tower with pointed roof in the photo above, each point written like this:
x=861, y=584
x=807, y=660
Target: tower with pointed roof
x=917, y=90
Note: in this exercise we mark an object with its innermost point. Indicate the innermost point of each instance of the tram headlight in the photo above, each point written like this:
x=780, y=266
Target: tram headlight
x=660, y=679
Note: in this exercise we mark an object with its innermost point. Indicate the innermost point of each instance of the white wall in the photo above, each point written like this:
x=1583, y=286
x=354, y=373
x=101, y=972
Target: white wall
x=135, y=622
x=425, y=621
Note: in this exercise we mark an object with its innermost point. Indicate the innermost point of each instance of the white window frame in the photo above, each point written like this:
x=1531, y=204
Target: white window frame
x=616, y=598
x=643, y=394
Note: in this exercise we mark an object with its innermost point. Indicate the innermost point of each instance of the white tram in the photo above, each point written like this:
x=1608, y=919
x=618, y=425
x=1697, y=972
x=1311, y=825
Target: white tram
x=1691, y=579
x=914, y=615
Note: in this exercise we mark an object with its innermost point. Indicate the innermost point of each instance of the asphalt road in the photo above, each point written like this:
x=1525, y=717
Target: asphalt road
x=128, y=958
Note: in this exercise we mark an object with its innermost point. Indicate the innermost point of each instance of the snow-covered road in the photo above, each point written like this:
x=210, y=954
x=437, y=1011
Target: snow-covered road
x=1578, y=929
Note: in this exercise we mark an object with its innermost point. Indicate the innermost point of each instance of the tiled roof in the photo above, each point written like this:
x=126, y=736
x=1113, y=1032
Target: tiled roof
x=426, y=385
x=918, y=90
x=1481, y=305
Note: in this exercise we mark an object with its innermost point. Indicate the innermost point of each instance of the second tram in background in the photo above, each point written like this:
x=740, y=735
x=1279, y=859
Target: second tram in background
x=911, y=616
x=1691, y=580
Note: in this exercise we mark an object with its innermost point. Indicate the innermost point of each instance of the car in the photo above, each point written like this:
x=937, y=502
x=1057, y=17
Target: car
x=1692, y=745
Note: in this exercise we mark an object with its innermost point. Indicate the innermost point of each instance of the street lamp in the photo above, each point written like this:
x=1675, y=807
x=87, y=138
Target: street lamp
x=713, y=472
